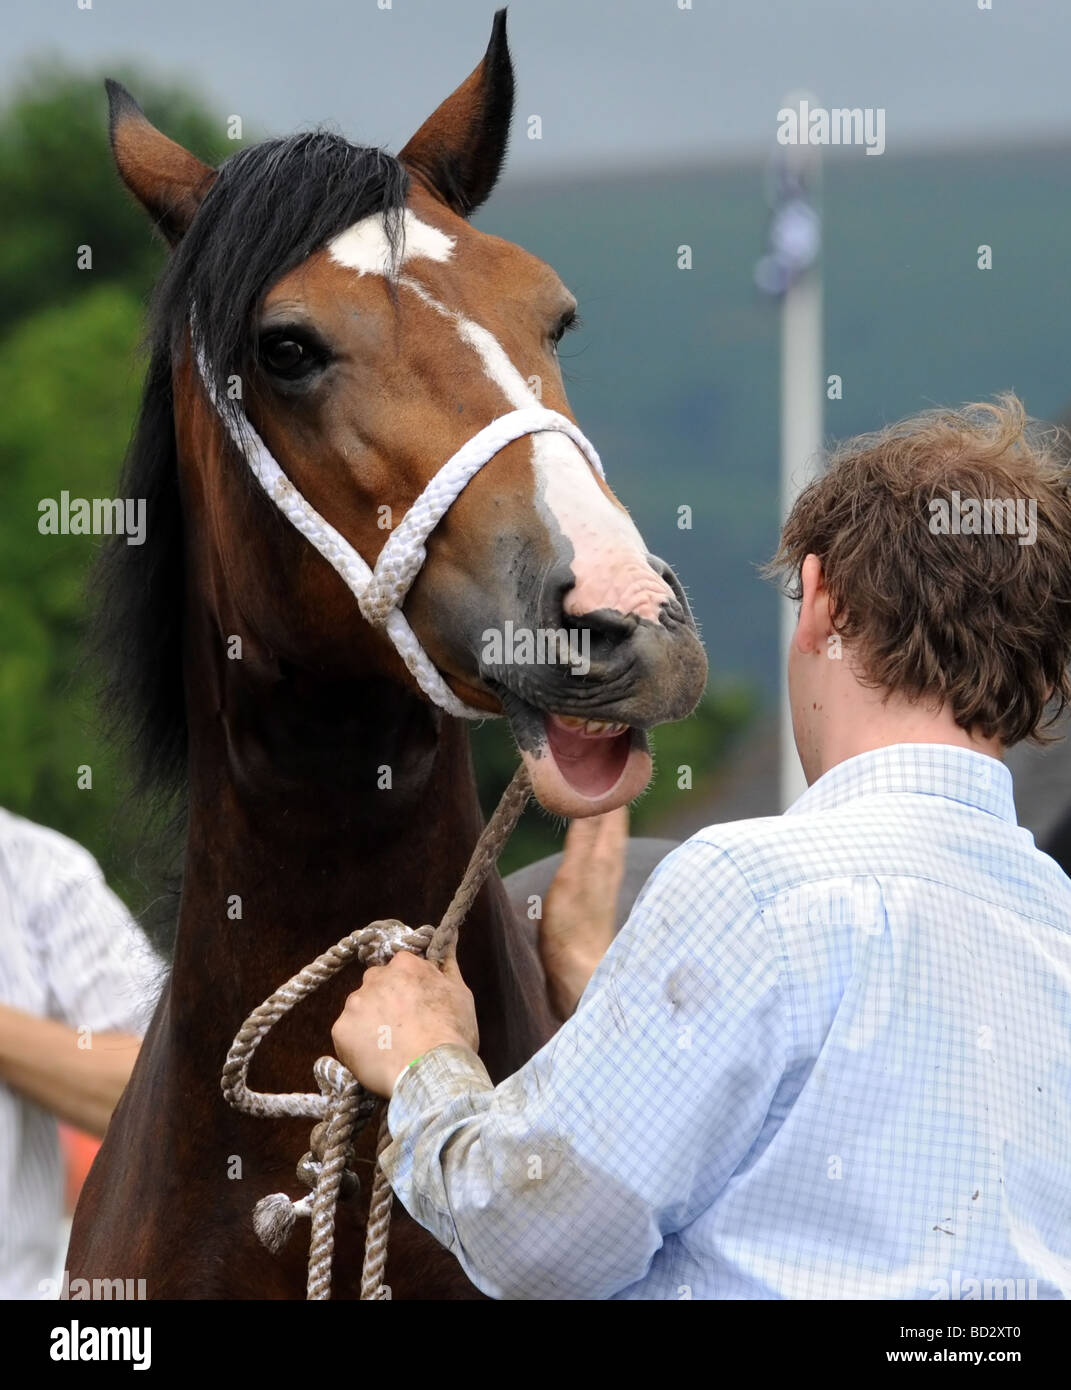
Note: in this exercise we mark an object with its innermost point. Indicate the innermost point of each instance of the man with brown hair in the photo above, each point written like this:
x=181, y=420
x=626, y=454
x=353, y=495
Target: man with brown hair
x=938, y=554
x=828, y=1054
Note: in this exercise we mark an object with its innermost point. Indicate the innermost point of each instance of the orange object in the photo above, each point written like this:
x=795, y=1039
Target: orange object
x=79, y=1150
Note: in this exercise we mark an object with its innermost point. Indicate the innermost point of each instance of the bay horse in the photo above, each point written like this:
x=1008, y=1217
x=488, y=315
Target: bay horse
x=370, y=331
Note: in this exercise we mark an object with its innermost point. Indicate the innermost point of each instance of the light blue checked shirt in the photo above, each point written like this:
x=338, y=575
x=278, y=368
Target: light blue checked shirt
x=828, y=1056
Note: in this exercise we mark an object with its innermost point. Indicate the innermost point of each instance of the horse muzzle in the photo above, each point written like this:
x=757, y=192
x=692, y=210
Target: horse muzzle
x=581, y=696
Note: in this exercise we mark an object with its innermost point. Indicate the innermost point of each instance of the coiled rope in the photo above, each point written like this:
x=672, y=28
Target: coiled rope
x=342, y=1107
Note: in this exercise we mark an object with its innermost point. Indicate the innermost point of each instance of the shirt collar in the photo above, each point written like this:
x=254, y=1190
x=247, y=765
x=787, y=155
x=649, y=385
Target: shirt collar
x=927, y=769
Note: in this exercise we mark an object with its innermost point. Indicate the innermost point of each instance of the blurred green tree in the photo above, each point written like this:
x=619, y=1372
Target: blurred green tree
x=71, y=376
x=70, y=389
x=61, y=191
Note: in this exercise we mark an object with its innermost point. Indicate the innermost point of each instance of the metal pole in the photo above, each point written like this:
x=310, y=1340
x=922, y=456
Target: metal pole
x=802, y=419
x=802, y=401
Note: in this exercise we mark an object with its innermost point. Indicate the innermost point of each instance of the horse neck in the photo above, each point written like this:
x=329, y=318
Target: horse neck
x=295, y=839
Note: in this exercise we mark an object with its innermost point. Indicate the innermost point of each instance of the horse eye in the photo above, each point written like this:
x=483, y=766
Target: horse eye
x=567, y=321
x=286, y=357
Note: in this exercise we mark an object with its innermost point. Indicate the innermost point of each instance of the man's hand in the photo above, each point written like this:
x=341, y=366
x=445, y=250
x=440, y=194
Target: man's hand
x=578, y=914
x=401, y=1011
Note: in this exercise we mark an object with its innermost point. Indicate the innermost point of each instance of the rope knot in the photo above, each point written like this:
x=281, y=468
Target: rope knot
x=274, y=1217
x=341, y=1106
x=381, y=941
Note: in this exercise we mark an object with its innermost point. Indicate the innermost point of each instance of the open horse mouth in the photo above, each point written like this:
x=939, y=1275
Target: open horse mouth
x=582, y=735
x=578, y=766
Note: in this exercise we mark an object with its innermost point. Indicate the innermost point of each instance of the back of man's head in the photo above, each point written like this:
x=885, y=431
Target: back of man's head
x=945, y=544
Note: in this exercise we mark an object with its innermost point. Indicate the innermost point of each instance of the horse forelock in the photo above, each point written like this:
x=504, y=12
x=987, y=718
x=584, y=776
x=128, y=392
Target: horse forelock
x=271, y=207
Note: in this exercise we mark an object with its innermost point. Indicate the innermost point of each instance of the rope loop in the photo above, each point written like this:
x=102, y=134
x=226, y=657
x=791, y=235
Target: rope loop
x=341, y=1106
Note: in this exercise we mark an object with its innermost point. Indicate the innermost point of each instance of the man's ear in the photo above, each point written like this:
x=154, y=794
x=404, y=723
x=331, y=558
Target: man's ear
x=458, y=152
x=815, y=622
x=168, y=181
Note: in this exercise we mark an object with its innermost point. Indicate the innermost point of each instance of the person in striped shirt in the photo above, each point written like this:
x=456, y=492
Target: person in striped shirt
x=78, y=984
x=828, y=1055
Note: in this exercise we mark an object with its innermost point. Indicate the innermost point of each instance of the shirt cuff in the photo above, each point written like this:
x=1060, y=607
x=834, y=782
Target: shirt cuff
x=438, y=1076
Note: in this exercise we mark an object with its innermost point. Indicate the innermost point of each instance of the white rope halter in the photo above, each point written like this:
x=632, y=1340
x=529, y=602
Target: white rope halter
x=381, y=591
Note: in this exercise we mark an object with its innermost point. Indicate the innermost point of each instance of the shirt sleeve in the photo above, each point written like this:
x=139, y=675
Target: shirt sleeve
x=562, y=1182
x=99, y=969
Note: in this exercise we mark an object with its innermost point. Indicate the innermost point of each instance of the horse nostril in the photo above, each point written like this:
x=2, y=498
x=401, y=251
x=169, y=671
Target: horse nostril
x=606, y=624
x=675, y=609
x=613, y=622
x=557, y=583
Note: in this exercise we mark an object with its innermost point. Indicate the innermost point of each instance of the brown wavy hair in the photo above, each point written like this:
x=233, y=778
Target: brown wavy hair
x=978, y=623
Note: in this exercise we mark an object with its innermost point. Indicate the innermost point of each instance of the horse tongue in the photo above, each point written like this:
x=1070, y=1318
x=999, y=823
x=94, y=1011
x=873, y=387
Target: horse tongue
x=590, y=765
x=578, y=772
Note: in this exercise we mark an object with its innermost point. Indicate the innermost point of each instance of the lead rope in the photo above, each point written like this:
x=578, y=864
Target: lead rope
x=343, y=1107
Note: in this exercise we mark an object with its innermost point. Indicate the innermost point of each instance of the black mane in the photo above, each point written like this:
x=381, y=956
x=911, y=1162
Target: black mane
x=270, y=208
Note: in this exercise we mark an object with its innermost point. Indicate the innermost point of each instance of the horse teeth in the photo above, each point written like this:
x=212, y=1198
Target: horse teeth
x=579, y=725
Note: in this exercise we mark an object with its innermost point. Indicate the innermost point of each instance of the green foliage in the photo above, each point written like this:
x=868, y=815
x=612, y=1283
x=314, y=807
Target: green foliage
x=61, y=191
x=70, y=393
x=71, y=381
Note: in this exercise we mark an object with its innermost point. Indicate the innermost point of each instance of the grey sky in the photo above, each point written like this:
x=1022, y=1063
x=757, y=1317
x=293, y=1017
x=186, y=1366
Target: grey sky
x=615, y=81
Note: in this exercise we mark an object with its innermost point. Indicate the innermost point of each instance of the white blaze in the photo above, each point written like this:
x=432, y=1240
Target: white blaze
x=364, y=246
x=609, y=561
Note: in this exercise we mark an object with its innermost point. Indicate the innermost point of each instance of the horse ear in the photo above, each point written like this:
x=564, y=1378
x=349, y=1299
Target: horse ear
x=458, y=151
x=167, y=180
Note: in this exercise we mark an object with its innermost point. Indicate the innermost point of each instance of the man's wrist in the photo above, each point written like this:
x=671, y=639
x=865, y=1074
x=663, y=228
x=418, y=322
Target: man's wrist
x=446, y=1070
x=453, y=1040
x=409, y=1066
x=439, y=1040
x=568, y=971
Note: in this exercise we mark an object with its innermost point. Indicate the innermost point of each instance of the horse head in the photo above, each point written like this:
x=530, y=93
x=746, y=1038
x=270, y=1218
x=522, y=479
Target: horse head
x=340, y=301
